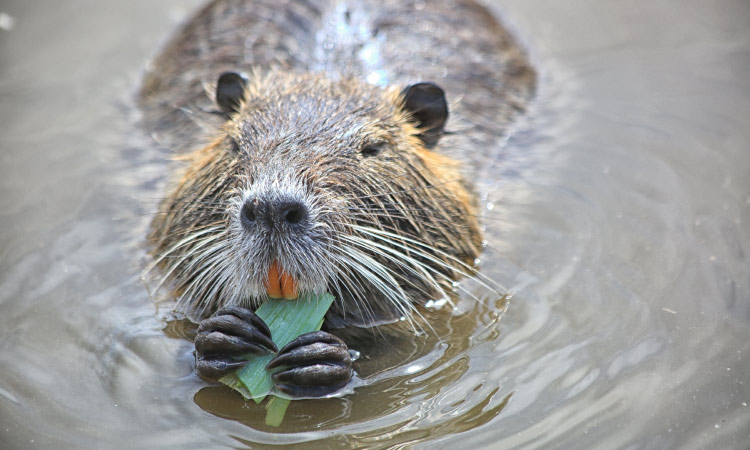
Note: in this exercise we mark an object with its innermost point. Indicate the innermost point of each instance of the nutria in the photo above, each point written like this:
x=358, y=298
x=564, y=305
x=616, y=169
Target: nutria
x=318, y=157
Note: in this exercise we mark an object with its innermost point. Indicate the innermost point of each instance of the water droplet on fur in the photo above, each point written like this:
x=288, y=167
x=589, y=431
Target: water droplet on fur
x=436, y=304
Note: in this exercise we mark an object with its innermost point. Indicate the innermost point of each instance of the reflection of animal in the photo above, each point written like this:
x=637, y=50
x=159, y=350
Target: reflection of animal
x=323, y=164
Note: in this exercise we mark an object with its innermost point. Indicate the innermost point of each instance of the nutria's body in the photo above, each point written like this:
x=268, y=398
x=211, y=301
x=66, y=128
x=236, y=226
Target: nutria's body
x=331, y=161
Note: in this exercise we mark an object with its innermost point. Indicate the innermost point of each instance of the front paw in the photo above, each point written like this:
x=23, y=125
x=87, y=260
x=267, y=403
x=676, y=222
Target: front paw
x=313, y=365
x=226, y=337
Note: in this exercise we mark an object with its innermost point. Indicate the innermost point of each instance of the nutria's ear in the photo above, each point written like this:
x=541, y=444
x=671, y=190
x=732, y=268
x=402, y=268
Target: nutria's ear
x=427, y=105
x=230, y=90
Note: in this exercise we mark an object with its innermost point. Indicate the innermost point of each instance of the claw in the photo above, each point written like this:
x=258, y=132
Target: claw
x=315, y=353
x=314, y=375
x=315, y=380
x=215, y=367
x=214, y=342
x=310, y=338
x=247, y=316
x=243, y=325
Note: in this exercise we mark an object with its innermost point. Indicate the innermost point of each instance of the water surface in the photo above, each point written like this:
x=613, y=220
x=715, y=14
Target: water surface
x=618, y=216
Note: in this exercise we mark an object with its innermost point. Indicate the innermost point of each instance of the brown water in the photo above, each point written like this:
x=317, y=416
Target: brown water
x=619, y=217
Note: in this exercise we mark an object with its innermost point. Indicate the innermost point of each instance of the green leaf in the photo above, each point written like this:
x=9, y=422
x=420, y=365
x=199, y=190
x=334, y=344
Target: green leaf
x=275, y=410
x=287, y=320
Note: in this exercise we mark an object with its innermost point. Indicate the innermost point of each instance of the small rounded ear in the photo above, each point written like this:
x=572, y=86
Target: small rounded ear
x=427, y=106
x=230, y=90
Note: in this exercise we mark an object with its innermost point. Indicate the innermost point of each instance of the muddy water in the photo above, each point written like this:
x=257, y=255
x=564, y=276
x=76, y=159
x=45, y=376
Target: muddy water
x=618, y=216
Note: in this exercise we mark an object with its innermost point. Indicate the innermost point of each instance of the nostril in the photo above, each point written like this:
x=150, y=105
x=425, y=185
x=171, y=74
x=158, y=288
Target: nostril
x=293, y=213
x=248, y=212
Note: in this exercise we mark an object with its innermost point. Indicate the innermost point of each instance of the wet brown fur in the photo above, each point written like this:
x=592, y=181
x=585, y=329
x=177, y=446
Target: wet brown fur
x=305, y=130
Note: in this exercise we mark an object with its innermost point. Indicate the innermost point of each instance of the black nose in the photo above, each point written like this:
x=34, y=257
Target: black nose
x=273, y=213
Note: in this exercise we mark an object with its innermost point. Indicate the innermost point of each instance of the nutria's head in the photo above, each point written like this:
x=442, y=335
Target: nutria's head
x=326, y=186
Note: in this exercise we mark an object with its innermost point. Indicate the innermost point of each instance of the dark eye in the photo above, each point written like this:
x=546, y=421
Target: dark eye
x=373, y=149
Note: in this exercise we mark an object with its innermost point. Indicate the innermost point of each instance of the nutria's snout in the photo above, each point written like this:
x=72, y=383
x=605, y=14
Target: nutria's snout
x=276, y=222
x=276, y=229
x=269, y=213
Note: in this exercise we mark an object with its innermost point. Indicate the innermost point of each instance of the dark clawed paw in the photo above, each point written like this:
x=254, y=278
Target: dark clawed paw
x=230, y=333
x=313, y=365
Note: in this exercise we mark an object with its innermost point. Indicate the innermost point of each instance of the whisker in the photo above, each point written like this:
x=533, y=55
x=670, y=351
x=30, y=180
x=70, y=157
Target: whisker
x=469, y=273
x=424, y=268
x=381, y=277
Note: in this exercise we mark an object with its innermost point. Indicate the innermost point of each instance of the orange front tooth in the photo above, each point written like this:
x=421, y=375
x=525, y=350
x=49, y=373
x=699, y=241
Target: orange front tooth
x=273, y=285
x=288, y=286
